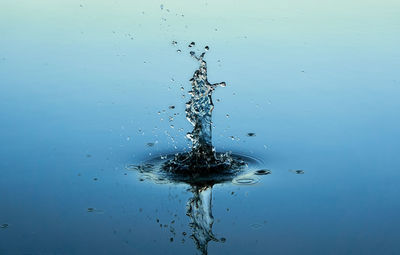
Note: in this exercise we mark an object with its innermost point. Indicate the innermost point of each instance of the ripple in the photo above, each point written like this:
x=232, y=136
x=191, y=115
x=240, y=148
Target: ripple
x=243, y=174
x=246, y=179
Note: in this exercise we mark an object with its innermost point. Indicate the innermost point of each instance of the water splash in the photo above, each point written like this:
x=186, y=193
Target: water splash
x=203, y=157
x=202, y=167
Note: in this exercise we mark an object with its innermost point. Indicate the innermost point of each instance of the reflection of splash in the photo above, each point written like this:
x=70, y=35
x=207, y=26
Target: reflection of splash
x=199, y=209
x=199, y=206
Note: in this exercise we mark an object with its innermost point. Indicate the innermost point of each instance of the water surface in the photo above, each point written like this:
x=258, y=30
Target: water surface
x=86, y=89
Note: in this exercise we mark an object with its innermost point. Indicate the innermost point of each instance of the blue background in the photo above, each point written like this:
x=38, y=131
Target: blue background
x=81, y=85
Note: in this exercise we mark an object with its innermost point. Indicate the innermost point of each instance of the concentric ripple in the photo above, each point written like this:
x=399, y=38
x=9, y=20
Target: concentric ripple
x=243, y=172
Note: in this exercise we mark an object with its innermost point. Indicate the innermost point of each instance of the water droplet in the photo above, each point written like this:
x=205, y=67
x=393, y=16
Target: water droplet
x=233, y=138
x=174, y=42
x=179, y=51
x=162, y=7
x=172, y=126
x=227, y=115
x=192, y=44
x=90, y=209
x=251, y=134
x=128, y=138
x=5, y=225
x=207, y=48
x=172, y=107
x=299, y=171
x=262, y=172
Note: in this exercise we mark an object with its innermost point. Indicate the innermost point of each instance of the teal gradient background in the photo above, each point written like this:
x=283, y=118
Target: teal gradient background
x=81, y=85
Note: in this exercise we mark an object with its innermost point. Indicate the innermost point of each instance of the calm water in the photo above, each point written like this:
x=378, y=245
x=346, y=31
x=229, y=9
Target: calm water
x=86, y=89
